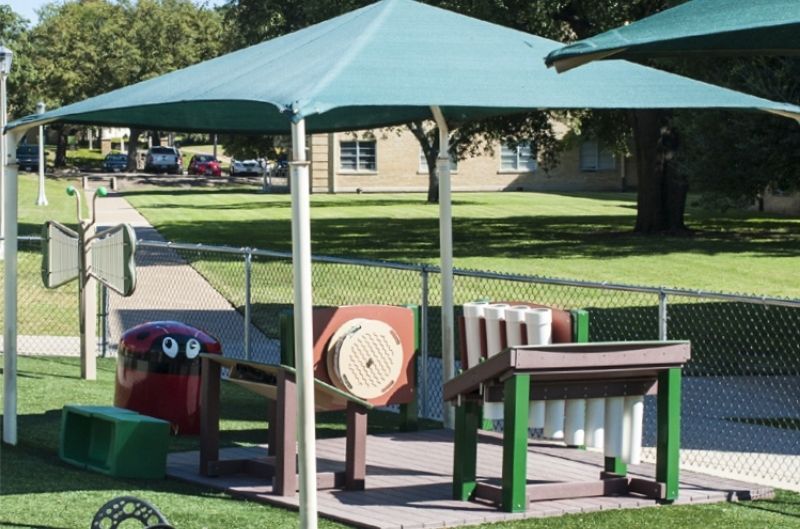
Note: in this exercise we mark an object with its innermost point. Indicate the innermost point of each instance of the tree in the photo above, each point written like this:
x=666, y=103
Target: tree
x=83, y=48
x=558, y=19
x=15, y=35
x=750, y=151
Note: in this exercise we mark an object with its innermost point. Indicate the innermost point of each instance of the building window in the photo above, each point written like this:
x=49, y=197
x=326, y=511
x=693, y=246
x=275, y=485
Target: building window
x=423, y=163
x=520, y=159
x=597, y=158
x=357, y=156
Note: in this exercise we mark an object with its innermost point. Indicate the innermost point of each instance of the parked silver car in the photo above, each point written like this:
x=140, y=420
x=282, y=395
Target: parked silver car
x=163, y=160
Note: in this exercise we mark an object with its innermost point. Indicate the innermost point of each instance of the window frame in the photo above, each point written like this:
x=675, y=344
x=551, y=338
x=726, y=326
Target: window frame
x=359, y=158
x=520, y=166
x=598, y=167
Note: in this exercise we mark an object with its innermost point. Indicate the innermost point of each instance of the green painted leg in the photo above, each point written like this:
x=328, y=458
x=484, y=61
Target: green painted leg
x=465, y=450
x=409, y=421
x=515, y=443
x=668, y=441
x=615, y=465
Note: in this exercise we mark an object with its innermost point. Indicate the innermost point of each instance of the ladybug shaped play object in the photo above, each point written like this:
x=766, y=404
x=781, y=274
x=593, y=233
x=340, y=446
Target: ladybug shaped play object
x=158, y=372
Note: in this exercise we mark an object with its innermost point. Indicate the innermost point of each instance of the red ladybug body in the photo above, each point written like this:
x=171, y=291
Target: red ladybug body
x=158, y=372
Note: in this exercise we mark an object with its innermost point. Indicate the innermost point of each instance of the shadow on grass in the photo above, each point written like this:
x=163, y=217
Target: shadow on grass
x=405, y=239
x=783, y=504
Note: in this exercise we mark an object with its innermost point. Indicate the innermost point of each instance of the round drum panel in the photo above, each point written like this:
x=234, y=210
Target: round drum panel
x=365, y=358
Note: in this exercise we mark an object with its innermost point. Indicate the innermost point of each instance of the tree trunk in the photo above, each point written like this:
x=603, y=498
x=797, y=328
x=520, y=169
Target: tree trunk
x=661, y=197
x=433, y=179
x=133, y=150
x=61, y=148
x=430, y=148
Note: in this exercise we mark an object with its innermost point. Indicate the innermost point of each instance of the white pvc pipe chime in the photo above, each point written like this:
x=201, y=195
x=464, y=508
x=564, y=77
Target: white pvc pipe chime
x=612, y=424
x=494, y=314
x=539, y=324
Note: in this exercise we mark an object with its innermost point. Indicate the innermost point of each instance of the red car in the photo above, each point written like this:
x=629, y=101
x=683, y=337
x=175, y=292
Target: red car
x=204, y=164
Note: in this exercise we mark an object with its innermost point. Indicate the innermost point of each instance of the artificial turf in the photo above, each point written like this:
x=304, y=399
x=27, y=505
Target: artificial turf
x=40, y=491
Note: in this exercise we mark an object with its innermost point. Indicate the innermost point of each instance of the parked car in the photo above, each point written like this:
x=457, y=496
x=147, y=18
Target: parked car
x=205, y=164
x=245, y=167
x=163, y=160
x=28, y=157
x=115, y=162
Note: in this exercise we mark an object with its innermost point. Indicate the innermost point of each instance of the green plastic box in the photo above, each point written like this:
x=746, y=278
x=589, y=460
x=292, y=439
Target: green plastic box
x=114, y=441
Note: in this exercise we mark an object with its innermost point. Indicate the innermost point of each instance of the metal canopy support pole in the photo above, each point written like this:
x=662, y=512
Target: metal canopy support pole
x=4, y=158
x=303, y=338
x=41, y=200
x=10, y=287
x=446, y=256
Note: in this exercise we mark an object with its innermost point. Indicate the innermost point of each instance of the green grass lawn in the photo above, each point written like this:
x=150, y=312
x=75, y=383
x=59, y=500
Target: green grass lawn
x=41, y=311
x=586, y=236
x=39, y=490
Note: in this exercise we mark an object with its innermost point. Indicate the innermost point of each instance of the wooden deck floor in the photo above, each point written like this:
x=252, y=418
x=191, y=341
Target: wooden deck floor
x=409, y=482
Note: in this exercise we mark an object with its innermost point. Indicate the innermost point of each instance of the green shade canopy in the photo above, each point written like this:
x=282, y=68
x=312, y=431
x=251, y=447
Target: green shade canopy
x=702, y=27
x=385, y=64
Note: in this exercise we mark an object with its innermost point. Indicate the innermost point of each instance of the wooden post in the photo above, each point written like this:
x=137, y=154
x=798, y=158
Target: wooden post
x=285, y=480
x=409, y=413
x=356, y=450
x=668, y=437
x=272, y=414
x=515, y=443
x=465, y=450
x=209, y=414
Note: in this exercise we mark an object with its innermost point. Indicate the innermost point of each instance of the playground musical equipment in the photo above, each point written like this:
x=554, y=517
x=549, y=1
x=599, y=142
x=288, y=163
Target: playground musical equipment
x=584, y=394
x=107, y=256
x=363, y=358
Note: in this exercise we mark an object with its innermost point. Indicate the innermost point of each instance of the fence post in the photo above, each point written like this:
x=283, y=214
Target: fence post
x=248, y=265
x=662, y=316
x=423, y=346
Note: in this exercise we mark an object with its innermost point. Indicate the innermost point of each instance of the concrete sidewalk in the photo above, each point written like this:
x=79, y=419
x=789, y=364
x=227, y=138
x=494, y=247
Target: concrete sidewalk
x=169, y=288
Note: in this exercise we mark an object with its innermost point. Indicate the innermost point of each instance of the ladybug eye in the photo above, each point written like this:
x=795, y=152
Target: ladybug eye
x=170, y=347
x=192, y=348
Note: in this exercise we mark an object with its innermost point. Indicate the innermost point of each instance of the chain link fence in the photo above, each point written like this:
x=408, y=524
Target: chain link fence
x=741, y=398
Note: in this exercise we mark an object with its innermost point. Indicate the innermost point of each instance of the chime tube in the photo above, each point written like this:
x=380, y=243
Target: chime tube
x=515, y=317
x=473, y=312
x=612, y=434
x=633, y=417
x=536, y=415
x=554, y=419
x=595, y=421
x=575, y=422
x=493, y=314
x=539, y=323
x=548, y=416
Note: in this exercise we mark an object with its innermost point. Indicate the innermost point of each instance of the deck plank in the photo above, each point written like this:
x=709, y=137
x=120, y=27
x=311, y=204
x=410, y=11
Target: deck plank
x=408, y=483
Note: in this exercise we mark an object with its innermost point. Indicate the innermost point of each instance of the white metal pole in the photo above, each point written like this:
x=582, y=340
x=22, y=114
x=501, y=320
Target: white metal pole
x=303, y=332
x=446, y=256
x=10, y=288
x=42, y=199
x=3, y=161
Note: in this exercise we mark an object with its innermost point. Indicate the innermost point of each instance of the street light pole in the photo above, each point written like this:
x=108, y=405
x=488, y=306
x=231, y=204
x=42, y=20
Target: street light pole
x=42, y=199
x=6, y=56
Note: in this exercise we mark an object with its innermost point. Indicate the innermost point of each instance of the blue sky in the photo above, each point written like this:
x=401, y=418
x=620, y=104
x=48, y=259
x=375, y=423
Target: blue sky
x=27, y=8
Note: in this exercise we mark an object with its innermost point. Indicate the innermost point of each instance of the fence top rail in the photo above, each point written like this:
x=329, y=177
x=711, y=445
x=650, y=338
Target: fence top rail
x=663, y=291
x=281, y=255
